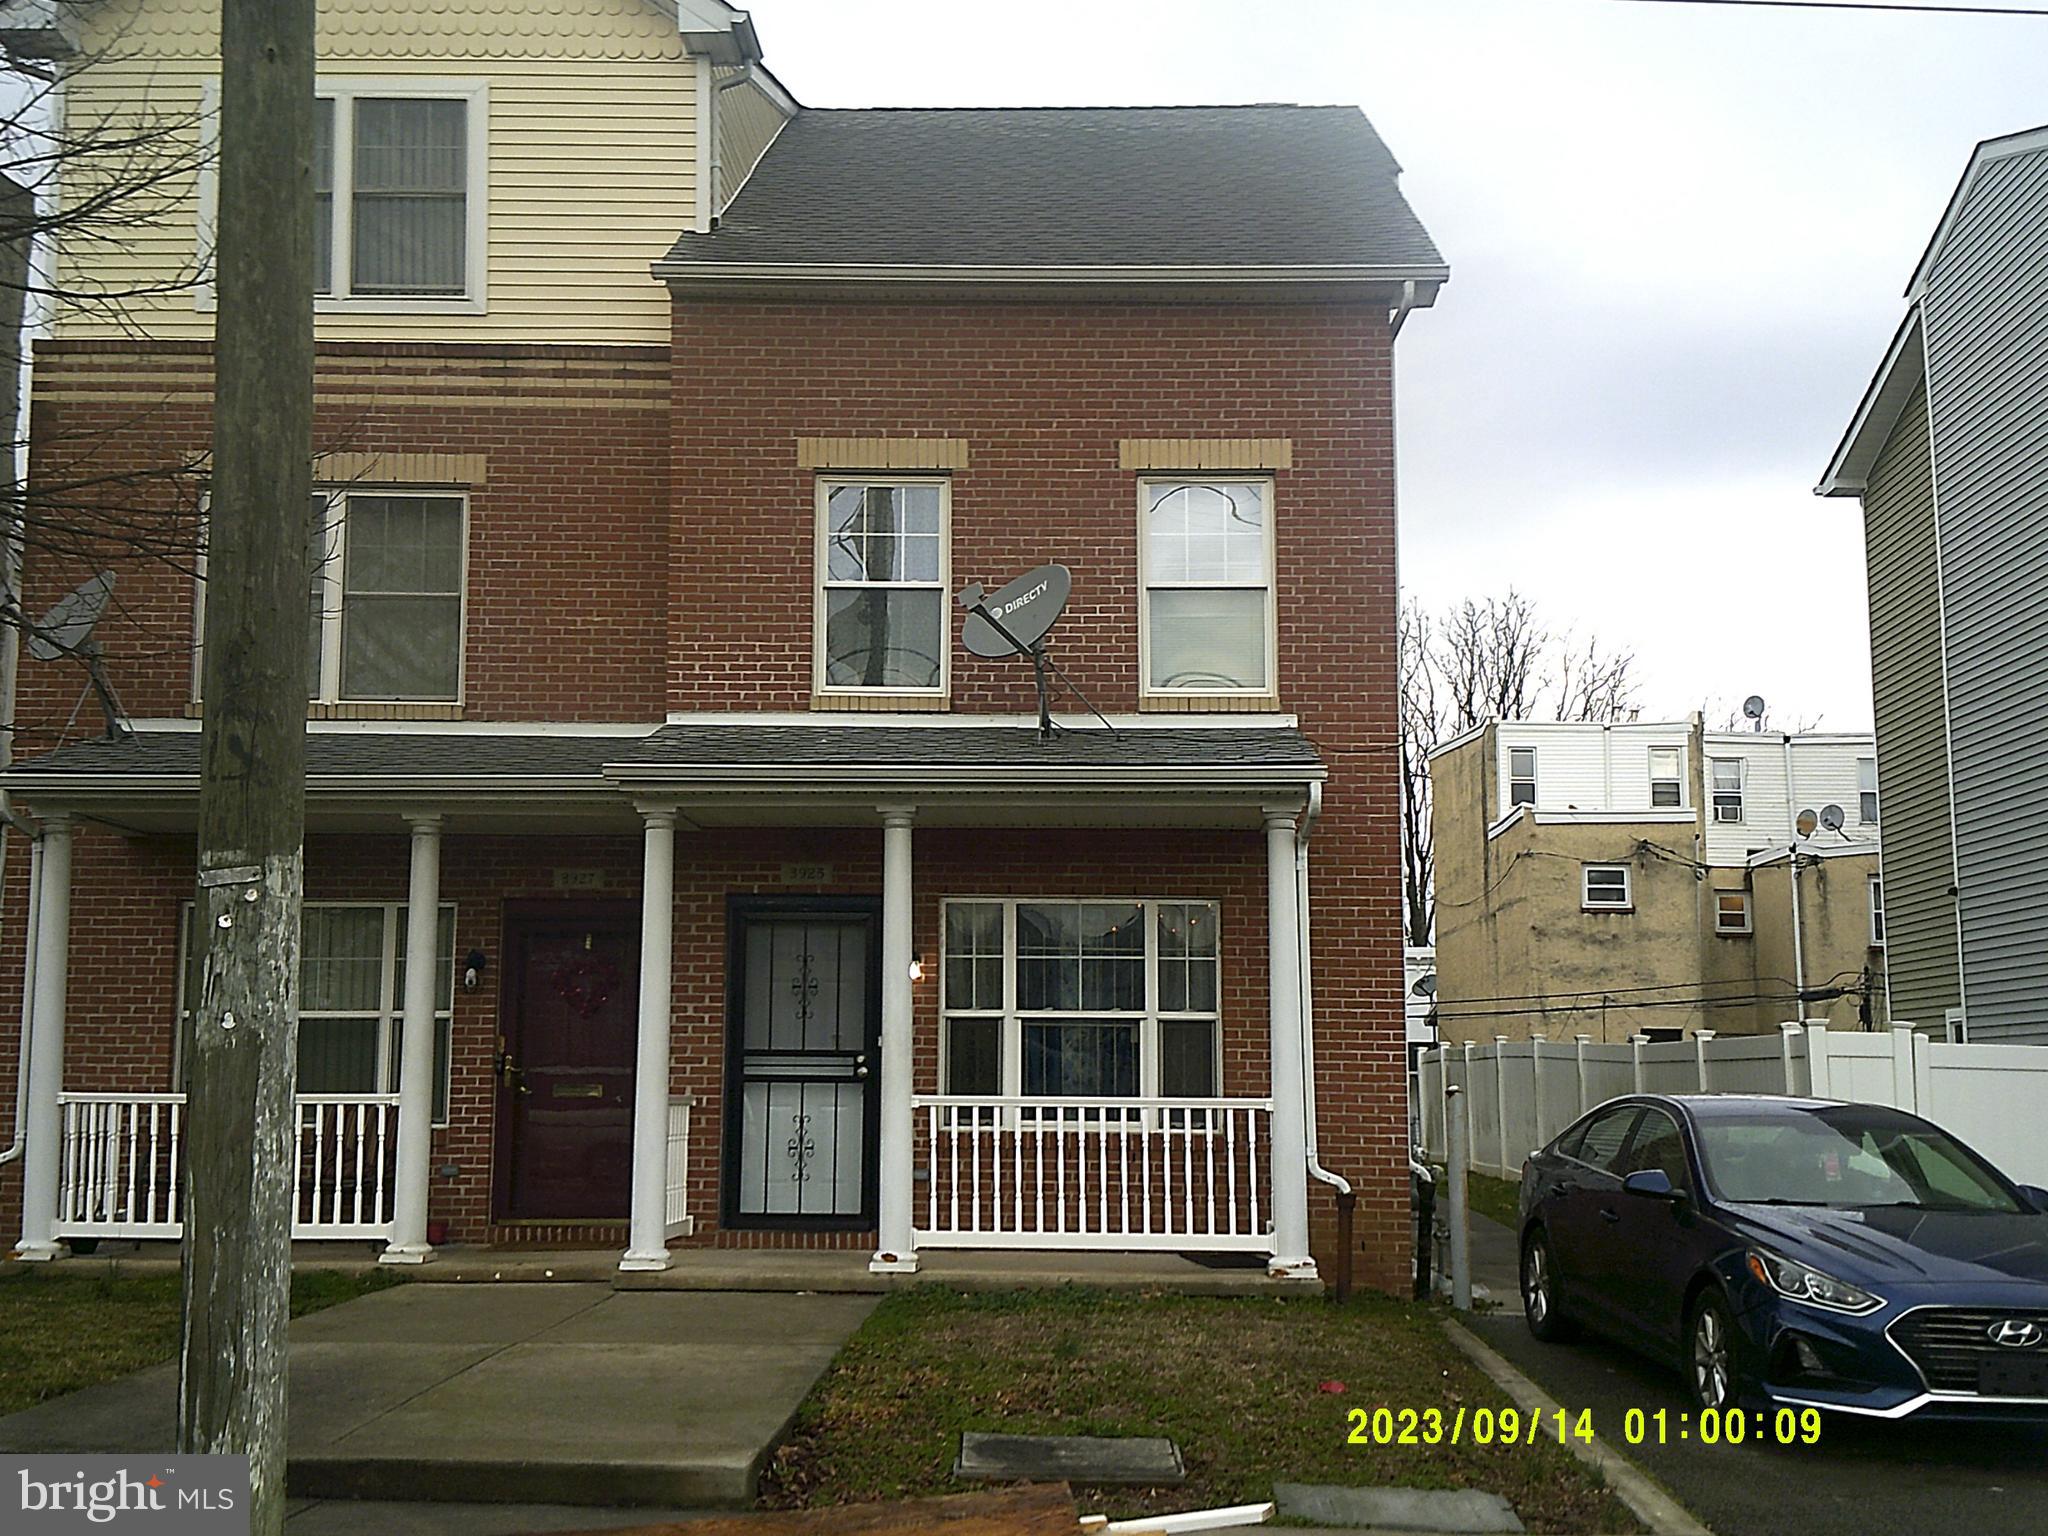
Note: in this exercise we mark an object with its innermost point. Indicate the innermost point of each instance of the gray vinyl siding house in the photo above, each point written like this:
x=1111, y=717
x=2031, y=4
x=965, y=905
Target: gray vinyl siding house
x=1949, y=454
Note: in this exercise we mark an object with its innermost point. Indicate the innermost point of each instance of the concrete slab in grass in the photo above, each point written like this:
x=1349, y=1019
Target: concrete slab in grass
x=579, y=1423
x=1456, y=1510
x=1128, y=1460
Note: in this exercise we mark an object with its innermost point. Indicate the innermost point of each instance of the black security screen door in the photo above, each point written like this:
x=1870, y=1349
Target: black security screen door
x=803, y=1016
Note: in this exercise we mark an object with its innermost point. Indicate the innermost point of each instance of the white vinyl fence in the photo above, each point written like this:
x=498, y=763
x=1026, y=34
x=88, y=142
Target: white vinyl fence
x=1520, y=1093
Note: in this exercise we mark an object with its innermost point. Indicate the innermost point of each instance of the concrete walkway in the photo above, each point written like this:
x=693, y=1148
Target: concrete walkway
x=556, y=1394
x=762, y=1269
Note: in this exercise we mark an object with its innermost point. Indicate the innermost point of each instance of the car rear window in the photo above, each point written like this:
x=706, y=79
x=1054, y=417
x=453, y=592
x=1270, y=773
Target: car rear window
x=1847, y=1156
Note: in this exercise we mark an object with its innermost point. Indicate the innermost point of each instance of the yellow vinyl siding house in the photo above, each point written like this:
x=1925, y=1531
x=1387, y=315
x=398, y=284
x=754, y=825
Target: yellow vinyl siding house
x=591, y=123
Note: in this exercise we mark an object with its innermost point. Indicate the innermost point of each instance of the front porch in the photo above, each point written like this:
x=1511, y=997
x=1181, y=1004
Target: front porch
x=1123, y=1111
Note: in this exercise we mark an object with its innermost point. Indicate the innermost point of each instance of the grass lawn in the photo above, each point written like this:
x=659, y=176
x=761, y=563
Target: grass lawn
x=1235, y=1383
x=1499, y=1199
x=63, y=1332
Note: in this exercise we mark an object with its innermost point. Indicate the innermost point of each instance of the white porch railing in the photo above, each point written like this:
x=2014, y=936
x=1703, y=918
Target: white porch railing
x=121, y=1165
x=1183, y=1175
x=680, y=1222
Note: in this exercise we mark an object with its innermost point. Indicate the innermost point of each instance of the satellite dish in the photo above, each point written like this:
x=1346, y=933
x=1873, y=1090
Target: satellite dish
x=1753, y=707
x=1806, y=823
x=1425, y=986
x=1025, y=610
x=1832, y=818
x=66, y=630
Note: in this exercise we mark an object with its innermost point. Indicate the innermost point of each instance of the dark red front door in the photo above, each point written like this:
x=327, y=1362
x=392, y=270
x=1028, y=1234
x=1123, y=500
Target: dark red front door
x=565, y=1078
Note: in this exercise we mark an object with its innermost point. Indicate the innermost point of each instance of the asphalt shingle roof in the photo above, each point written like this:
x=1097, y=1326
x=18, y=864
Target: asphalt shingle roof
x=1072, y=186
x=710, y=746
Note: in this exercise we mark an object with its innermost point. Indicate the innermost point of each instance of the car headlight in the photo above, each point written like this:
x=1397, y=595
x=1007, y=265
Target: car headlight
x=1801, y=1282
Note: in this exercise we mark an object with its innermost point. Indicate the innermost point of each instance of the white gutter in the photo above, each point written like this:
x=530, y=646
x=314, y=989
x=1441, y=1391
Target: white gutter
x=1303, y=832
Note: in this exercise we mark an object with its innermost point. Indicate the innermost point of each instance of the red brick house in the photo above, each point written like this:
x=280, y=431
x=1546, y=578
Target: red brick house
x=767, y=915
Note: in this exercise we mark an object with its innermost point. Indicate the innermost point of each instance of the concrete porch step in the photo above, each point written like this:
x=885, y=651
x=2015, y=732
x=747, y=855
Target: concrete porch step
x=558, y=1394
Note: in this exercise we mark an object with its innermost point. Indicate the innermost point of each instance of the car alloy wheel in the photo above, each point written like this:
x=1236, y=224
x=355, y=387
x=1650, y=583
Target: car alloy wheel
x=1712, y=1356
x=1536, y=1283
x=1540, y=1307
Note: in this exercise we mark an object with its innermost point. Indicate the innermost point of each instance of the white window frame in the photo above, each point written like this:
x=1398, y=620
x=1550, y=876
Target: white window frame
x=1533, y=778
x=1676, y=778
x=1012, y=1018
x=1866, y=792
x=391, y=1009
x=1270, y=586
x=1748, y=924
x=1715, y=792
x=821, y=583
x=1628, y=890
x=1876, y=889
x=332, y=576
x=344, y=91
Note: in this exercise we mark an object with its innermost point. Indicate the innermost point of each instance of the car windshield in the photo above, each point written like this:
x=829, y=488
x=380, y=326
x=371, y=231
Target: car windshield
x=1853, y=1156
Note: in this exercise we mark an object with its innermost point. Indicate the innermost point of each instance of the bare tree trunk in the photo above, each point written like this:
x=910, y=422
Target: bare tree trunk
x=240, y=1143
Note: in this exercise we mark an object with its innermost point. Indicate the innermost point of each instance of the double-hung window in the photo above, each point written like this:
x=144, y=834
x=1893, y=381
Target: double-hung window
x=1521, y=776
x=398, y=194
x=1205, y=593
x=1866, y=790
x=1731, y=912
x=351, y=996
x=1876, y=912
x=882, y=575
x=386, y=601
x=1727, y=788
x=1667, y=788
x=1606, y=888
x=1082, y=1000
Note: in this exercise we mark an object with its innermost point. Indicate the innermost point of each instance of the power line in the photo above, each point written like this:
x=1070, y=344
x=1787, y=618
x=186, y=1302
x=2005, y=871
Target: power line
x=1862, y=5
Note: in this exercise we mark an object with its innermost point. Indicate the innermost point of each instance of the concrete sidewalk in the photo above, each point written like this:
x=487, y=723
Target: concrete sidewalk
x=556, y=1394
x=760, y=1269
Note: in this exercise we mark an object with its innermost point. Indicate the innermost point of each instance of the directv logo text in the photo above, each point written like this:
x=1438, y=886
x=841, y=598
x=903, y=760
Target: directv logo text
x=170, y=1496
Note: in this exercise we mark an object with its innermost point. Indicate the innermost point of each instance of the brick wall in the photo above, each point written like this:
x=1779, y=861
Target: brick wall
x=568, y=531
x=1042, y=394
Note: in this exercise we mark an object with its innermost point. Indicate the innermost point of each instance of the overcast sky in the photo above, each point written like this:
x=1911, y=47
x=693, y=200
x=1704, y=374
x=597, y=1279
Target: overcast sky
x=1678, y=236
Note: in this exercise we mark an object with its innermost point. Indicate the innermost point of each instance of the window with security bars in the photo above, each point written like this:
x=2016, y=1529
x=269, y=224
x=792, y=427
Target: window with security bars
x=1081, y=999
x=351, y=996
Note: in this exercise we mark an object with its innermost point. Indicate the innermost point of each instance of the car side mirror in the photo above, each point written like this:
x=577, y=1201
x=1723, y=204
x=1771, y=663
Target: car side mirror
x=1652, y=1182
x=2035, y=1196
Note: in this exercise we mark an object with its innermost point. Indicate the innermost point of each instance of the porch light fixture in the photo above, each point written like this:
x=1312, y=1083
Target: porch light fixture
x=917, y=967
x=472, y=969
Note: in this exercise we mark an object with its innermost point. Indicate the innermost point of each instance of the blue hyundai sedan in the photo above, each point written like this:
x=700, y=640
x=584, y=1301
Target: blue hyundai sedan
x=1839, y=1256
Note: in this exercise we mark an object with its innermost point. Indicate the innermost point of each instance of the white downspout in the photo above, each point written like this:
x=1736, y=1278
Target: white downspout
x=1401, y=310
x=15, y=1148
x=1304, y=831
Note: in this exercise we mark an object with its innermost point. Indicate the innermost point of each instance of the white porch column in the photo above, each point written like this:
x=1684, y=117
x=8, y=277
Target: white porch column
x=896, y=1245
x=43, y=1148
x=647, y=1242
x=408, y=1243
x=1290, y=1129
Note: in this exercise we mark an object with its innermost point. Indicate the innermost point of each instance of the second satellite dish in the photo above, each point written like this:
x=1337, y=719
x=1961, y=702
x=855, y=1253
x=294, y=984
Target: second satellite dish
x=1806, y=823
x=1025, y=609
x=1832, y=817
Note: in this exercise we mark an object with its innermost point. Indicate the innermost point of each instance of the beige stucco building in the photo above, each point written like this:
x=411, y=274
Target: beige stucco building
x=1654, y=878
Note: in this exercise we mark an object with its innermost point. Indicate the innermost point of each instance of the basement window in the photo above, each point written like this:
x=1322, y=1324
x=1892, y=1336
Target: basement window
x=1606, y=888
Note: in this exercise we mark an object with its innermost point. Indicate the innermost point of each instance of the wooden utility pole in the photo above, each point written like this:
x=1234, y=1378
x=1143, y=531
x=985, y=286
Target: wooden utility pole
x=241, y=1055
